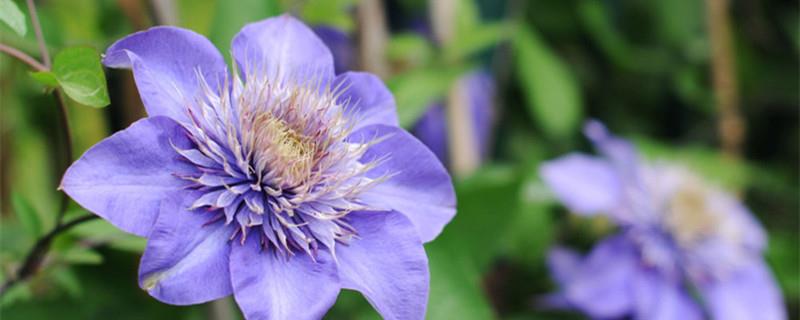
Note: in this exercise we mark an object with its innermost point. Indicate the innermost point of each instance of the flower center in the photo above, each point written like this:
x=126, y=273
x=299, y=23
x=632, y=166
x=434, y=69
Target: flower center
x=290, y=153
x=689, y=216
x=273, y=159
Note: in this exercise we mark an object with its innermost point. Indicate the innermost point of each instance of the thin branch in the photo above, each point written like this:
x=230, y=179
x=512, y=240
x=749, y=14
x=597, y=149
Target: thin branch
x=731, y=124
x=37, y=28
x=35, y=256
x=22, y=56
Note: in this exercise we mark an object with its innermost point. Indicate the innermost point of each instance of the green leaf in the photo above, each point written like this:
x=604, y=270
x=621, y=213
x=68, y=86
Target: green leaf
x=409, y=50
x=101, y=232
x=79, y=255
x=26, y=214
x=80, y=74
x=416, y=90
x=45, y=78
x=480, y=38
x=333, y=13
x=456, y=291
x=13, y=17
x=552, y=93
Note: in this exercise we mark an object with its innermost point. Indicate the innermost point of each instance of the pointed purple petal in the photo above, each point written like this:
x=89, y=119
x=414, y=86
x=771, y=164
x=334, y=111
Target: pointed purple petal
x=563, y=264
x=431, y=129
x=387, y=264
x=182, y=249
x=585, y=184
x=601, y=286
x=268, y=286
x=124, y=178
x=368, y=98
x=659, y=298
x=165, y=61
x=751, y=293
x=420, y=188
x=284, y=48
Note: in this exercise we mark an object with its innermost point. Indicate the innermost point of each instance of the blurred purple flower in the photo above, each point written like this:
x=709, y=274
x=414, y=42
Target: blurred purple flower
x=431, y=128
x=279, y=183
x=678, y=235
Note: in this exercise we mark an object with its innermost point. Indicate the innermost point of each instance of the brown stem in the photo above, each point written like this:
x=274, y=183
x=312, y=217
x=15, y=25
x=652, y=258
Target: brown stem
x=373, y=37
x=36, y=255
x=22, y=56
x=731, y=125
x=37, y=28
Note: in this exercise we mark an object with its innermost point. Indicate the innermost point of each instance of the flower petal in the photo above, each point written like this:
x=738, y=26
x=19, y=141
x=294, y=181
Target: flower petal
x=750, y=293
x=269, y=286
x=586, y=185
x=368, y=97
x=563, y=264
x=124, y=178
x=182, y=249
x=601, y=286
x=165, y=62
x=387, y=264
x=659, y=298
x=283, y=47
x=419, y=187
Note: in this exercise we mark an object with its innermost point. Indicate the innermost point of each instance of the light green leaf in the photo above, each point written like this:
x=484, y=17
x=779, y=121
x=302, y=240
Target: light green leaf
x=335, y=13
x=551, y=90
x=101, y=232
x=80, y=74
x=480, y=38
x=416, y=90
x=79, y=255
x=45, y=78
x=409, y=50
x=26, y=214
x=13, y=17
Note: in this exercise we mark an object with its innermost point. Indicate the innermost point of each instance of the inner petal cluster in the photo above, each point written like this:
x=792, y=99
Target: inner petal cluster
x=273, y=159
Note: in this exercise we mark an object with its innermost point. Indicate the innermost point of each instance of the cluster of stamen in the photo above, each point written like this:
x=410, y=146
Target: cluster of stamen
x=273, y=157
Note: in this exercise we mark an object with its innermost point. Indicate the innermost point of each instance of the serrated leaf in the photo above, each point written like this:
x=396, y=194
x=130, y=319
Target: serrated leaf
x=552, y=93
x=26, y=214
x=45, y=78
x=80, y=74
x=13, y=17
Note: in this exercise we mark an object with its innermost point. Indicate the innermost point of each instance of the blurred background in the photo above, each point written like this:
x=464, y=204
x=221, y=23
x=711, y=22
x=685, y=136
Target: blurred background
x=715, y=89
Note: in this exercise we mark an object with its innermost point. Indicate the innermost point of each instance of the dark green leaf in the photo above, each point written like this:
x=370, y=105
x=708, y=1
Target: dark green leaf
x=80, y=74
x=552, y=93
x=456, y=291
x=13, y=17
x=26, y=214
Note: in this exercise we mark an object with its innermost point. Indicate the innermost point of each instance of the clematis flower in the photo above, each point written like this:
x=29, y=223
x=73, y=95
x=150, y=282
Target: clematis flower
x=279, y=183
x=679, y=238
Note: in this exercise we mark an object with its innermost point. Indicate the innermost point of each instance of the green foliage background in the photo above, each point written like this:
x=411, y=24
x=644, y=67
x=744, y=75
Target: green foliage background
x=642, y=67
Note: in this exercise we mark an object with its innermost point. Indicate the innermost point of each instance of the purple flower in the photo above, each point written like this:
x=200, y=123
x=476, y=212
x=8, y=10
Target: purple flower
x=279, y=183
x=431, y=128
x=677, y=235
